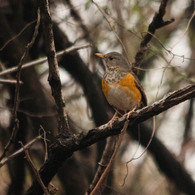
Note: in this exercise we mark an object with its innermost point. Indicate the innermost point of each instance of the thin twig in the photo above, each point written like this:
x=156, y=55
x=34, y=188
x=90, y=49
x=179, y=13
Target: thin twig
x=136, y=158
x=44, y=59
x=159, y=41
x=111, y=28
x=27, y=146
x=37, y=175
x=105, y=158
x=45, y=142
x=9, y=81
x=187, y=27
x=16, y=36
x=168, y=50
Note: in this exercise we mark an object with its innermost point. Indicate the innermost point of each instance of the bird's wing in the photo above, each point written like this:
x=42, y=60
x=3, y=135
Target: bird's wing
x=139, y=86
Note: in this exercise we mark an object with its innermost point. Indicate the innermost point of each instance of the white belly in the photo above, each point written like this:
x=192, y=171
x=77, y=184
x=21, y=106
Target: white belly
x=120, y=99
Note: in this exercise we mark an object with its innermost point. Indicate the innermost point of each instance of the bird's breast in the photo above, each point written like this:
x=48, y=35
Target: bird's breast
x=123, y=94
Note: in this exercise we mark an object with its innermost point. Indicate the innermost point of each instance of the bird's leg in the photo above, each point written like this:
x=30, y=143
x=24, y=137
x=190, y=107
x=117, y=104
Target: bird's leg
x=112, y=119
x=128, y=113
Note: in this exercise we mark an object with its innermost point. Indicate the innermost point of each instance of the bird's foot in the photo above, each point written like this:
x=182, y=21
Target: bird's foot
x=110, y=122
x=129, y=113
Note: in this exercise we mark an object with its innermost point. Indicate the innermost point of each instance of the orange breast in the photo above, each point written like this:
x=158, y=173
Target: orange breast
x=123, y=95
x=105, y=88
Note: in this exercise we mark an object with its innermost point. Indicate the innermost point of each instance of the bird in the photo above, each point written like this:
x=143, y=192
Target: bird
x=120, y=85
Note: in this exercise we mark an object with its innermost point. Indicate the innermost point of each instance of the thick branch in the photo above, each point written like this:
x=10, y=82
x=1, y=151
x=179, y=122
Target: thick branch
x=63, y=148
x=54, y=78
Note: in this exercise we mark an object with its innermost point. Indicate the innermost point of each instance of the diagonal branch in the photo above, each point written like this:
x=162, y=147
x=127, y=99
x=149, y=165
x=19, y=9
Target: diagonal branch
x=64, y=147
x=27, y=146
x=156, y=23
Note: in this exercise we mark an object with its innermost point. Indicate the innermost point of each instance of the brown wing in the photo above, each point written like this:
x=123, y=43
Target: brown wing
x=144, y=98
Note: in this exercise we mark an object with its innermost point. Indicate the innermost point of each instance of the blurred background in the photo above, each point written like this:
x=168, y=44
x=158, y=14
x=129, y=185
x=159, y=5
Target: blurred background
x=109, y=25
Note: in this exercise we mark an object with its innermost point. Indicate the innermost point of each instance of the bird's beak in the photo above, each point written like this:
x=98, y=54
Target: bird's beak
x=99, y=55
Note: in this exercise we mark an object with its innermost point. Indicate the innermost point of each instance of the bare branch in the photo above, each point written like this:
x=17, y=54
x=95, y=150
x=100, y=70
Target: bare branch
x=106, y=156
x=9, y=81
x=42, y=60
x=16, y=36
x=156, y=23
x=35, y=170
x=27, y=146
x=187, y=28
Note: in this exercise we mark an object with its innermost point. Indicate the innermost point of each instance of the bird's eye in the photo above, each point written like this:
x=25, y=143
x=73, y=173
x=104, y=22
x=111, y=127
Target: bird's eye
x=110, y=58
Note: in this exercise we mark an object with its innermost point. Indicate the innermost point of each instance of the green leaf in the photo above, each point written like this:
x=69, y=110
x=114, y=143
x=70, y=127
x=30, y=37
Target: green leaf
x=88, y=4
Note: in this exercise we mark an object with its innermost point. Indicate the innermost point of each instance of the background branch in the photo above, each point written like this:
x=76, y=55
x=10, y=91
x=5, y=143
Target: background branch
x=9, y=81
x=35, y=170
x=44, y=59
x=27, y=146
x=17, y=89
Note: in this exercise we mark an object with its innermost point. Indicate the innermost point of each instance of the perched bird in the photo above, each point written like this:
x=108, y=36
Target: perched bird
x=120, y=85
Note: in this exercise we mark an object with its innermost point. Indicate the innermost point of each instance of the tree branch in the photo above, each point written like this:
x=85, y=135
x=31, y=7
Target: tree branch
x=156, y=23
x=34, y=169
x=10, y=81
x=44, y=59
x=64, y=147
x=27, y=146
x=54, y=78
